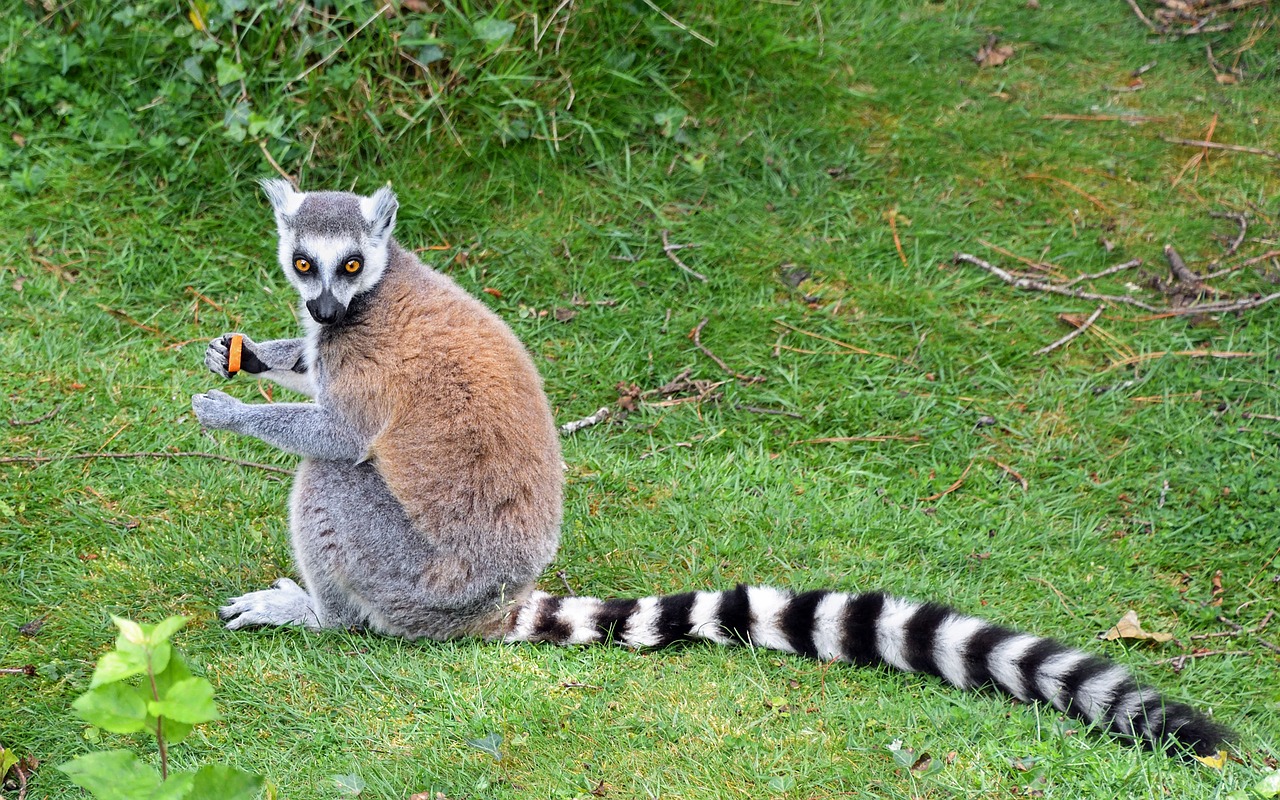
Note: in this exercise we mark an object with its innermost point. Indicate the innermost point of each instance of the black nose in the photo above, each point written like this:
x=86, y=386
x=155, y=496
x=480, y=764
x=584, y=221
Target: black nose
x=326, y=309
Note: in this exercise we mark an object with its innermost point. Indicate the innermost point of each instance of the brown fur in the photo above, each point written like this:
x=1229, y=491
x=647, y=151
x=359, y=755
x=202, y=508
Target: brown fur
x=462, y=432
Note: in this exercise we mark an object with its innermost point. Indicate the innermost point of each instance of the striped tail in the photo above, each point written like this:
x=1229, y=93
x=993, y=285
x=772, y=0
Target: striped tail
x=875, y=628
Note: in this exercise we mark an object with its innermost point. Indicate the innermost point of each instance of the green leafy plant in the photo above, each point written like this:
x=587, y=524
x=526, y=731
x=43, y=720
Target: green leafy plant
x=144, y=685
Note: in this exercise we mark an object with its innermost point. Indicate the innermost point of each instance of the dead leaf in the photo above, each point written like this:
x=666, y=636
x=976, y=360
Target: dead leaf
x=1225, y=78
x=992, y=54
x=1217, y=761
x=19, y=140
x=1217, y=589
x=490, y=290
x=564, y=314
x=1129, y=628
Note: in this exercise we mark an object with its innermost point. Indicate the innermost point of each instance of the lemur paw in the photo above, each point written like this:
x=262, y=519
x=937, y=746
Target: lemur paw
x=217, y=410
x=216, y=356
x=285, y=603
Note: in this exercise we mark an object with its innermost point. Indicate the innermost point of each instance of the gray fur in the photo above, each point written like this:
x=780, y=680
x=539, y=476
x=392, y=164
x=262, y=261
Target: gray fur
x=363, y=560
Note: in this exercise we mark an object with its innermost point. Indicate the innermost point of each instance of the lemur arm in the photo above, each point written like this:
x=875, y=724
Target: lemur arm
x=306, y=429
x=281, y=360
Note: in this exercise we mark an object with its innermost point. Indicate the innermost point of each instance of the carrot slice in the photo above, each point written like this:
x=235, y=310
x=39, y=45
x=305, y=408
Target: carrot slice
x=233, y=354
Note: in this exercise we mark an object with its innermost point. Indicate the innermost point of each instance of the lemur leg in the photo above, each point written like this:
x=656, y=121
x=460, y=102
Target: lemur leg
x=281, y=360
x=320, y=551
x=364, y=563
x=306, y=429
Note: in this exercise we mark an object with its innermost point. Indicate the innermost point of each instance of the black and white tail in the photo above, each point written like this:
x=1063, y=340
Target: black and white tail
x=875, y=628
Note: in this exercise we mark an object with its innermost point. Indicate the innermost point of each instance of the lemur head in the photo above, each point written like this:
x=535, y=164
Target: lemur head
x=333, y=245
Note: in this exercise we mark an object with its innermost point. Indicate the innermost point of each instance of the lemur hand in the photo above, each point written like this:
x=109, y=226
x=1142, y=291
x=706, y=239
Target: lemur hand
x=215, y=357
x=217, y=410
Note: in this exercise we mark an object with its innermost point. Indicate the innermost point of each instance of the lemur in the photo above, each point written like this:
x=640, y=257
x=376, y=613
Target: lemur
x=428, y=499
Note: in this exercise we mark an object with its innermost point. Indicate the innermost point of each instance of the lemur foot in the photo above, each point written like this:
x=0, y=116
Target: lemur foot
x=285, y=603
x=216, y=356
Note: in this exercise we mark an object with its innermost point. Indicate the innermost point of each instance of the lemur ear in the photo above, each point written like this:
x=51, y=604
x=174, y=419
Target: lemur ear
x=380, y=212
x=283, y=198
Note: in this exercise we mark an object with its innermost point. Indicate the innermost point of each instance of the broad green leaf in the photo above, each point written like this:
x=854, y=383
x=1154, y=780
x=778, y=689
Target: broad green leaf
x=228, y=71
x=430, y=54
x=7, y=760
x=113, y=775
x=349, y=784
x=493, y=30
x=491, y=744
x=189, y=701
x=176, y=786
x=115, y=707
x=162, y=631
x=130, y=631
x=220, y=782
x=1269, y=786
x=118, y=665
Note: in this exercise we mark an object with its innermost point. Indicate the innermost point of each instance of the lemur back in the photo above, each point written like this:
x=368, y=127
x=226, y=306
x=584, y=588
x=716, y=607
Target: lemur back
x=428, y=500
x=459, y=427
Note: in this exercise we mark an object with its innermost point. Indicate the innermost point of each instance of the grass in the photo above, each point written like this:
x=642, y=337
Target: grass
x=797, y=139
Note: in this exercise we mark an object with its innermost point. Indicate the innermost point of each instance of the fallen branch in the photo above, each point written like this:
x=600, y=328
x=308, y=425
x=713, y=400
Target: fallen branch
x=1234, y=148
x=670, y=249
x=570, y=428
x=1031, y=284
x=149, y=454
x=1047, y=349
x=696, y=336
x=1143, y=17
x=1035, y=285
x=1137, y=262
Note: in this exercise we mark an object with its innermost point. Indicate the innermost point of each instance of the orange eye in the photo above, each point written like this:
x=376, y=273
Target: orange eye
x=353, y=266
x=301, y=264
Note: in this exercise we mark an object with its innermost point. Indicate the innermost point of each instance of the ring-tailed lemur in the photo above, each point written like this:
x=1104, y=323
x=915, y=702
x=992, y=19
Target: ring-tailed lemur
x=428, y=500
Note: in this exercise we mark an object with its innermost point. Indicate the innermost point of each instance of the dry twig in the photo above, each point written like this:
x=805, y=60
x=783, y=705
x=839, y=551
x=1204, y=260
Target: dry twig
x=959, y=482
x=884, y=438
x=570, y=428
x=696, y=336
x=1234, y=148
x=775, y=411
x=149, y=454
x=1012, y=473
x=1084, y=326
x=42, y=418
x=670, y=249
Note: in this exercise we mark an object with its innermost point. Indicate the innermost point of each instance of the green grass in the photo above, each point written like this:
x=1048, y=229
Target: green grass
x=798, y=140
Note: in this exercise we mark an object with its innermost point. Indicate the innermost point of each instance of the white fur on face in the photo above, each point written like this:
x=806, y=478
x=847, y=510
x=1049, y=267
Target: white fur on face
x=328, y=254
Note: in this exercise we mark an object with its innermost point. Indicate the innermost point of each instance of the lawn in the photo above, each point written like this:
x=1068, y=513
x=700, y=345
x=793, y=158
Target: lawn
x=821, y=163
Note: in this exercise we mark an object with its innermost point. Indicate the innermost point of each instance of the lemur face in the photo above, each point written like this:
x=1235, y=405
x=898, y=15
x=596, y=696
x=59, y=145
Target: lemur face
x=333, y=245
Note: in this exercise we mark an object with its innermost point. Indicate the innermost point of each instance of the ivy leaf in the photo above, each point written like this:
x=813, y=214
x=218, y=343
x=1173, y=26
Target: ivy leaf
x=228, y=71
x=490, y=744
x=113, y=775
x=220, y=782
x=115, y=707
x=349, y=784
x=189, y=701
x=493, y=31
